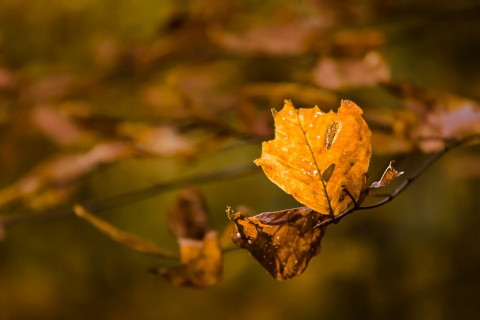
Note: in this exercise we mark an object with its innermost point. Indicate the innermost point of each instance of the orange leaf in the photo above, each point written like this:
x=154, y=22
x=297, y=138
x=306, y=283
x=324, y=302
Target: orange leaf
x=201, y=258
x=282, y=241
x=201, y=262
x=315, y=154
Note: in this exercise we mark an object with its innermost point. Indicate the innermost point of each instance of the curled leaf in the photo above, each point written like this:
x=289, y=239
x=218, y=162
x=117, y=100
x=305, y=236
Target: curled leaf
x=201, y=262
x=201, y=258
x=283, y=242
x=187, y=217
x=388, y=176
x=316, y=155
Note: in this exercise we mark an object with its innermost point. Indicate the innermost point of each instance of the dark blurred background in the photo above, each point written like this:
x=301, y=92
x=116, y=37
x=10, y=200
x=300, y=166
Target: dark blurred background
x=201, y=77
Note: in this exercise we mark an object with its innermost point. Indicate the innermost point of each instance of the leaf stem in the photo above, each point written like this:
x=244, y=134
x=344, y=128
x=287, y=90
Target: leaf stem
x=454, y=144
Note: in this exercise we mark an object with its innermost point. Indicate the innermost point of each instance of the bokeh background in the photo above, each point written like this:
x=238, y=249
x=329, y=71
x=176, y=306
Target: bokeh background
x=191, y=84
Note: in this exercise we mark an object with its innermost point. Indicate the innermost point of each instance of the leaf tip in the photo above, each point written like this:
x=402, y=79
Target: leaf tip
x=79, y=211
x=350, y=105
x=288, y=104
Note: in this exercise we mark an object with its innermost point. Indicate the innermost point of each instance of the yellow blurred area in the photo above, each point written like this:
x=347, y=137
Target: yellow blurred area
x=173, y=89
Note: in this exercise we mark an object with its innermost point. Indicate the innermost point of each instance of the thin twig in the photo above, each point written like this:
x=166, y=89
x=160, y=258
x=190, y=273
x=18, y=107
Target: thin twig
x=127, y=239
x=95, y=206
x=405, y=184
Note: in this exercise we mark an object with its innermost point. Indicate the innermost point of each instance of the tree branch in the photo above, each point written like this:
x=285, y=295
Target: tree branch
x=95, y=206
x=454, y=144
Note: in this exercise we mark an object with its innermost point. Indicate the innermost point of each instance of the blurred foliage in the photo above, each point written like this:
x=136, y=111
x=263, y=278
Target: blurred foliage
x=100, y=98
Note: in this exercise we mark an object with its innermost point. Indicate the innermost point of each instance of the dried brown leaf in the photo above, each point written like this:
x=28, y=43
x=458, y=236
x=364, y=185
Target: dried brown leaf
x=388, y=176
x=201, y=262
x=283, y=242
x=187, y=217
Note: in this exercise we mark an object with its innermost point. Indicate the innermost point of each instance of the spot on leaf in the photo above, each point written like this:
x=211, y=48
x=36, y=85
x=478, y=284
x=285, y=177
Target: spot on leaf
x=332, y=133
x=327, y=174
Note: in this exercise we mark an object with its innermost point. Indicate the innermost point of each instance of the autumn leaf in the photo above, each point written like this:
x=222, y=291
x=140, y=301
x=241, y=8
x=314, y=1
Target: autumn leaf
x=440, y=116
x=187, y=217
x=316, y=155
x=201, y=257
x=283, y=242
x=388, y=176
x=201, y=262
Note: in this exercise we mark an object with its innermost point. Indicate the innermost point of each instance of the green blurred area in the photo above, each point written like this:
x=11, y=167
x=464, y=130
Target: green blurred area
x=414, y=258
